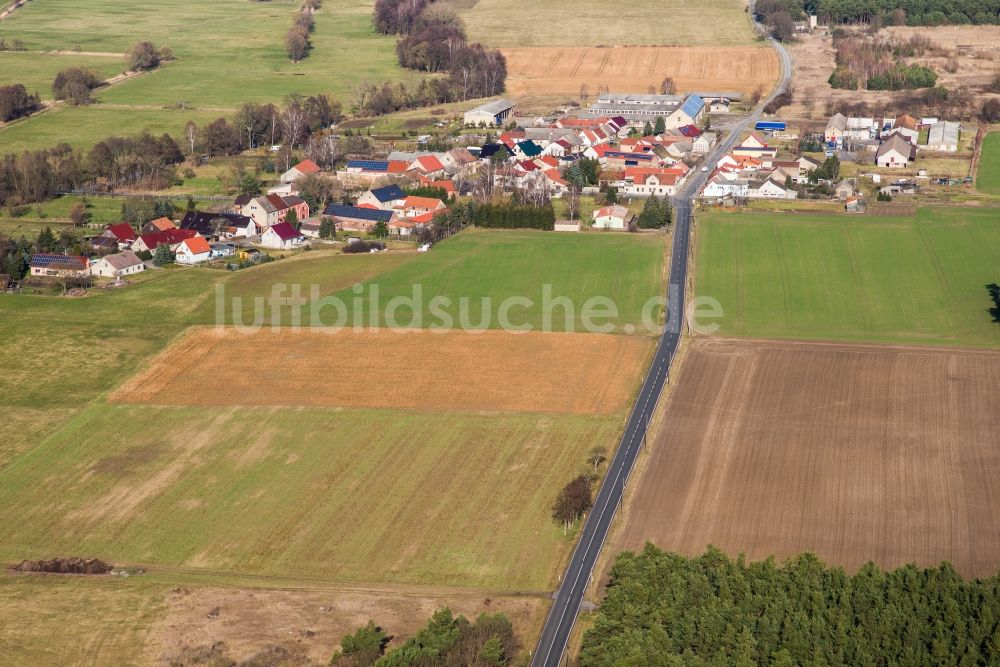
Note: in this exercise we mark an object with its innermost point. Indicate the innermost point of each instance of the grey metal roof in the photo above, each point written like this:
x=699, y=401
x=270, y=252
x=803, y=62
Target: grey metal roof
x=494, y=107
x=945, y=133
x=614, y=98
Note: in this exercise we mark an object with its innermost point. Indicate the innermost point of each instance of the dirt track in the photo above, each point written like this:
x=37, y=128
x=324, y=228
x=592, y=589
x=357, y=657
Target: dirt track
x=562, y=70
x=854, y=452
x=492, y=370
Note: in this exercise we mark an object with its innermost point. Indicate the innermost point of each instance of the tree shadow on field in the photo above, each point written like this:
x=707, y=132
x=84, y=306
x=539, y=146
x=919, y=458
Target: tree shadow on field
x=994, y=291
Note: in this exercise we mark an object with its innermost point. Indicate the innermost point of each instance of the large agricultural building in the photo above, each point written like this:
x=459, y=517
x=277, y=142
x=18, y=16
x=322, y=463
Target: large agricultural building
x=490, y=113
x=676, y=111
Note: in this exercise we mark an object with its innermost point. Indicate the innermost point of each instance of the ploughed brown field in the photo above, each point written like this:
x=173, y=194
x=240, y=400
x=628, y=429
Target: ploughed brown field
x=853, y=452
x=577, y=373
x=562, y=70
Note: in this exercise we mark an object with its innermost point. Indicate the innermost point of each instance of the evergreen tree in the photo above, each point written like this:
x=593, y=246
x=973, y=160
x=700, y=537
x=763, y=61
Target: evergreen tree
x=647, y=129
x=661, y=126
x=46, y=241
x=162, y=255
x=292, y=218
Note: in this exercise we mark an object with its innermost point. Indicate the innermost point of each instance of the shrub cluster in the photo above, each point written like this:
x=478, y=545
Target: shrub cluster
x=145, y=56
x=297, y=42
x=903, y=77
x=15, y=102
x=445, y=640
x=74, y=84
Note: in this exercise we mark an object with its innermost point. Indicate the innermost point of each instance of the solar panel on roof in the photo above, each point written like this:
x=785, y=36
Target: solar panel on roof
x=346, y=211
x=369, y=165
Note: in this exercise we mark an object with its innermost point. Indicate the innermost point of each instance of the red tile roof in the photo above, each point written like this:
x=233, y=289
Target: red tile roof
x=398, y=166
x=197, y=245
x=122, y=231
x=308, y=167
x=429, y=163
x=277, y=202
x=163, y=224
x=422, y=202
x=166, y=237
x=285, y=231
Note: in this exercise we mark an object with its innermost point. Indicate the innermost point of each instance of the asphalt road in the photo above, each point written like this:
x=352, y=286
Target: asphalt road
x=580, y=570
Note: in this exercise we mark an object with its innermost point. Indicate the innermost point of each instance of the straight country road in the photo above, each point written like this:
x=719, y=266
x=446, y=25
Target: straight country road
x=580, y=570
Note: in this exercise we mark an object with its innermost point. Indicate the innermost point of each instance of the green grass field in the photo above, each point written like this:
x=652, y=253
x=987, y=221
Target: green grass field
x=596, y=23
x=446, y=498
x=82, y=127
x=626, y=268
x=229, y=52
x=988, y=173
x=37, y=70
x=895, y=280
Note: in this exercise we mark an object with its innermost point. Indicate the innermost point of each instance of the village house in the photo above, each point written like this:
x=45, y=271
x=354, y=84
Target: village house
x=613, y=217
x=703, y=143
x=896, y=152
x=170, y=238
x=770, y=188
x=719, y=106
x=122, y=233
x=103, y=244
x=844, y=190
x=158, y=225
x=194, y=250
x=357, y=219
x=120, y=264
x=907, y=126
x=427, y=165
x=726, y=184
x=385, y=198
x=62, y=266
x=412, y=206
x=304, y=168
x=219, y=225
x=755, y=146
x=281, y=236
x=647, y=182
x=490, y=113
x=269, y=210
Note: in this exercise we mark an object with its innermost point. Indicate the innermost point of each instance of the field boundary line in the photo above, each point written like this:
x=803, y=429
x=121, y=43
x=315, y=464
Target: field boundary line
x=868, y=346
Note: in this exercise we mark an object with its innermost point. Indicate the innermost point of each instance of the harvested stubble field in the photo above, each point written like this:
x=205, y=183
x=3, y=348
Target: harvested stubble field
x=856, y=453
x=571, y=373
x=562, y=70
x=598, y=22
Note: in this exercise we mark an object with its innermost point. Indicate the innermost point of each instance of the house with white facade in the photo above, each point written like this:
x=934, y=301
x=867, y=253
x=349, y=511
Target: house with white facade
x=117, y=265
x=194, y=250
x=613, y=217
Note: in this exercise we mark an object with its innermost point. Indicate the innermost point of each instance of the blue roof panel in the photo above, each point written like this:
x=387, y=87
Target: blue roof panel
x=368, y=165
x=357, y=213
x=388, y=193
x=693, y=105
